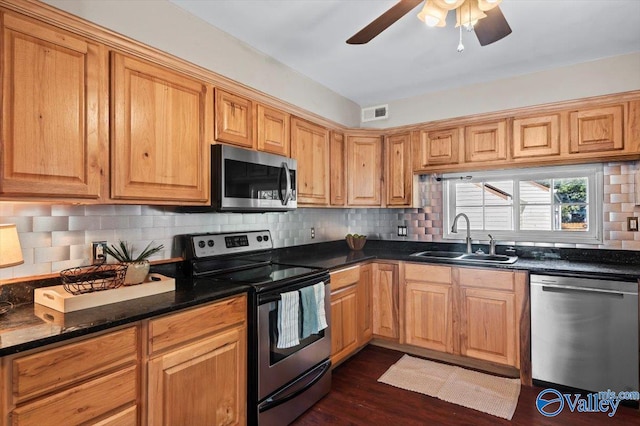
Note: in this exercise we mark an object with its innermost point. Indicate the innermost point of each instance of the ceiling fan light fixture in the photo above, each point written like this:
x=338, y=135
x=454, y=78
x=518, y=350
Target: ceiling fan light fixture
x=432, y=15
x=448, y=4
x=468, y=14
x=485, y=5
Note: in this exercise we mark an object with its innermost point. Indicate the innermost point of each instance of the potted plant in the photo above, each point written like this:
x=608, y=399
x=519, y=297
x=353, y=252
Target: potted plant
x=138, y=267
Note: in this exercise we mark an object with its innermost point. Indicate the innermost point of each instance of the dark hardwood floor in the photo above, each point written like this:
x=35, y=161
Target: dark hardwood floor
x=357, y=398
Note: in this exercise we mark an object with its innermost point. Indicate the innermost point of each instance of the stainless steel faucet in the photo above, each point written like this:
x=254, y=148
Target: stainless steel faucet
x=454, y=229
x=492, y=245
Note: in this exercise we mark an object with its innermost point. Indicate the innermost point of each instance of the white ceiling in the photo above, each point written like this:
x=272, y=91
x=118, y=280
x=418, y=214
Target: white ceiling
x=410, y=59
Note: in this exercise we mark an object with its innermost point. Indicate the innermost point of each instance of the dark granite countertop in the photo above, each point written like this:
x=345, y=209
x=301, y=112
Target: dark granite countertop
x=29, y=326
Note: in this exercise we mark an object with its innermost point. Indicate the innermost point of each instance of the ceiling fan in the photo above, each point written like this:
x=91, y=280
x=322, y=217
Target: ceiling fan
x=484, y=17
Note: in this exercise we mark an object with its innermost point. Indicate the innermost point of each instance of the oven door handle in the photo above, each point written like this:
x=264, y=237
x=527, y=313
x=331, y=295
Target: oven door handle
x=289, y=193
x=296, y=389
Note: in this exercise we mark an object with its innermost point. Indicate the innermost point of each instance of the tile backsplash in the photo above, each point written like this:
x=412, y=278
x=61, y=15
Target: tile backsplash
x=55, y=237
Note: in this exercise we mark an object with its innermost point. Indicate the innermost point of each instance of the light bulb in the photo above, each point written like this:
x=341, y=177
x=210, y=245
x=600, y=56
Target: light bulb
x=452, y=1
x=431, y=21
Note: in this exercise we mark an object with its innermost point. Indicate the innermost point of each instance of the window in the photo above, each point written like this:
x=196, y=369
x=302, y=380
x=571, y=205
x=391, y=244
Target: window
x=551, y=204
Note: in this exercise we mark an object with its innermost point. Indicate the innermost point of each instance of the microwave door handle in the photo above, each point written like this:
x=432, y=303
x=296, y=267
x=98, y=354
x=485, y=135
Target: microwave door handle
x=289, y=193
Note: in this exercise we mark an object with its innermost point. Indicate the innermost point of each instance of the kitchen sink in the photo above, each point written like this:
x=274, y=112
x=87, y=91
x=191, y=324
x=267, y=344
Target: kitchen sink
x=467, y=257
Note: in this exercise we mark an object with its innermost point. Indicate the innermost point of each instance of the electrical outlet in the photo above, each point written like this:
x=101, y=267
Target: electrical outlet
x=98, y=253
x=632, y=224
x=402, y=231
x=313, y=233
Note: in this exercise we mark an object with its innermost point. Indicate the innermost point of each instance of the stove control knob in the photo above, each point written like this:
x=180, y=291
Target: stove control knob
x=259, y=238
x=201, y=244
x=210, y=243
x=266, y=238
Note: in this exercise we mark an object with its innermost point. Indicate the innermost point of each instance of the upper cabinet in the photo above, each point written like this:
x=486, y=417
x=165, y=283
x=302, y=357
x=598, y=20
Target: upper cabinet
x=234, y=119
x=310, y=147
x=399, y=176
x=51, y=88
x=485, y=141
x=436, y=147
x=337, y=169
x=364, y=170
x=536, y=136
x=272, y=130
x=160, y=148
x=597, y=129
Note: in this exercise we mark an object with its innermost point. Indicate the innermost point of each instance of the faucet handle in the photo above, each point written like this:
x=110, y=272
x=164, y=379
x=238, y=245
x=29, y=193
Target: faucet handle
x=490, y=237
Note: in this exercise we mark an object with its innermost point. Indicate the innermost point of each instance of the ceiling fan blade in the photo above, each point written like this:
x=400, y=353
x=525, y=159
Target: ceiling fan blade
x=383, y=21
x=492, y=28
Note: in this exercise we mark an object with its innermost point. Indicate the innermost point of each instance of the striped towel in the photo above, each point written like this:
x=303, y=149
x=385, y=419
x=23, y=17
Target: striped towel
x=288, y=327
x=318, y=289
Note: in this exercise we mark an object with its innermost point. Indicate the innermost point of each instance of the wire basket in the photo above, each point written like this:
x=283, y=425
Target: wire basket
x=87, y=279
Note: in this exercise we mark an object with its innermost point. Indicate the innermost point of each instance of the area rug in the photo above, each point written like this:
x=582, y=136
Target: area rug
x=493, y=395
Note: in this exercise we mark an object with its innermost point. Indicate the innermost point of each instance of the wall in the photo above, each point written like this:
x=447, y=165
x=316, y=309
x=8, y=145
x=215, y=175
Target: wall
x=605, y=76
x=179, y=33
x=55, y=237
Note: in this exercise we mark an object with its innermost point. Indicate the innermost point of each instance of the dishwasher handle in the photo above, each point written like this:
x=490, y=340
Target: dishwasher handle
x=595, y=291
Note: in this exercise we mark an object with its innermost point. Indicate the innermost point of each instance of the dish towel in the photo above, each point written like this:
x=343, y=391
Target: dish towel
x=318, y=289
x=288, y=317
x=309, y=311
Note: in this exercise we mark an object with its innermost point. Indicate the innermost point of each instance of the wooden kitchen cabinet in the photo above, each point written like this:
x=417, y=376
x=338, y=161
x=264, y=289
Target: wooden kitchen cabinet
x=197, y=372
x=597, y=129
x=365, y=305
x=337, y=169
x=537, y=136
x=385, y=301
x=364, y=170
x=310, y=147
x=399, y=172
x=272, y=130
x=233, y=119
x=436, y=147
x=344, y=324
x=92, y=381
x=428, y=293
x=160, y=147
x=485, y=142
x=51, y=118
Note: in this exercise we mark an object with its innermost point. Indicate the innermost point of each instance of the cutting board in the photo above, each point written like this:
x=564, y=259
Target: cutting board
x=56, y=297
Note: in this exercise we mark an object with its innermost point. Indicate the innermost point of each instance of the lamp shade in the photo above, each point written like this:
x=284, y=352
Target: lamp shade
x=10, y=251
x=469, y=13
x=433, y=15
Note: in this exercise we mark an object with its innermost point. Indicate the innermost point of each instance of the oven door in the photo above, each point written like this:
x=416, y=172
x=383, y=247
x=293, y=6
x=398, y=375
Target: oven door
x=278, y=367
x=253, y=181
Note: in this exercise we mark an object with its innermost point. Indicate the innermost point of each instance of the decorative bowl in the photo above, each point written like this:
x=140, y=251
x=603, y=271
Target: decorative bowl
x=356, y=242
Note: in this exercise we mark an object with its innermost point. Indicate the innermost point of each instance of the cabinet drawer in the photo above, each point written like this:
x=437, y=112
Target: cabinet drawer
x=427, y=273
x=53, y=369
x=194, y=323
x=126, y=417
x=82, y=403
x=486, y=278
x=344, y=277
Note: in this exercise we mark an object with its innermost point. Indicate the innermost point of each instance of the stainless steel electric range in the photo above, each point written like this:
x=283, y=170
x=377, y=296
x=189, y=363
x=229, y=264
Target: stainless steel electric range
x=286, y=378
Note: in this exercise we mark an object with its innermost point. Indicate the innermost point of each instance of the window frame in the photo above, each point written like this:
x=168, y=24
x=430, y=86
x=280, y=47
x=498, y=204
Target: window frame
x=595, y=195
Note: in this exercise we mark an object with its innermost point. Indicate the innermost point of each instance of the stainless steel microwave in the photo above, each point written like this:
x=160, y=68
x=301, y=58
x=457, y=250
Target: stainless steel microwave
x=250, y=181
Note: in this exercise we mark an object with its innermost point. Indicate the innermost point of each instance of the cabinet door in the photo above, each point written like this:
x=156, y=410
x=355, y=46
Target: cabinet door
x=234, y=119
x=436, y=148
x=310, y=147
x=536, y=136
x=159, y=148
x=385, y=300
x=597, y=129
x=364, y=170
x=338, y=184
x=486, y=142
x=202, y=383
x=50, y=112
x=429, y=319
x=399, y=172
x=272, y=130
x=344, y=325
x=488, y=325
x=365, y=309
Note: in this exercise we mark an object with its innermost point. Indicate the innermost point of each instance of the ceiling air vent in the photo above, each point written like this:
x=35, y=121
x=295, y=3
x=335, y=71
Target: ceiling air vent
x=380, y=112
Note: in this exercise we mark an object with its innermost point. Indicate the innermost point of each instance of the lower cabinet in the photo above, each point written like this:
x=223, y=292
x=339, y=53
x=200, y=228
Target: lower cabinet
x=92, y=381
x=197, y=371
x=385, y=301
x=465, y=311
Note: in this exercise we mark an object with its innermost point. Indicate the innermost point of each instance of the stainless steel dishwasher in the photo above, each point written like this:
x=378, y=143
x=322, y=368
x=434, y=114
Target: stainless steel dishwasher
x=584, y=332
